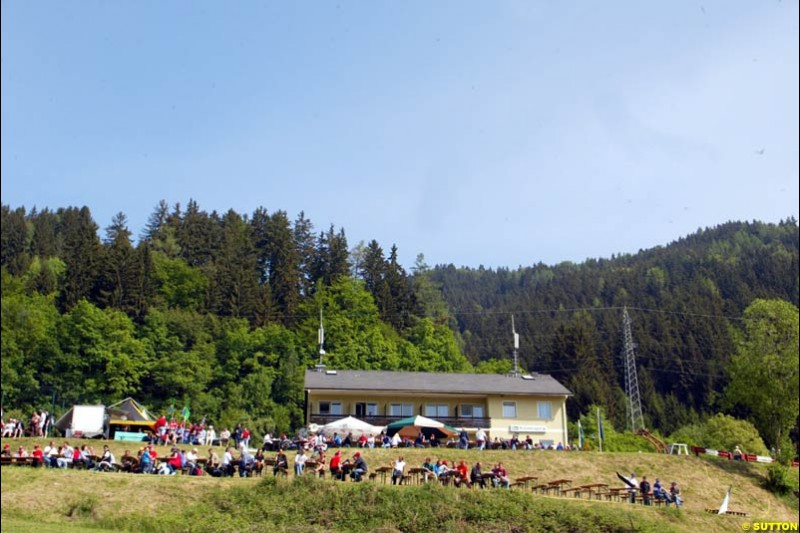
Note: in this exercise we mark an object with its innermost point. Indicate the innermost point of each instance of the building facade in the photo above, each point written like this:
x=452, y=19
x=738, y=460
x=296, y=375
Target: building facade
x=532, y=405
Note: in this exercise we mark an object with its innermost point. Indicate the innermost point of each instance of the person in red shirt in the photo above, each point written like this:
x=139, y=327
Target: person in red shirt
x=336, y=468
x=462, y=474
x=38, y=455
x=362, y=440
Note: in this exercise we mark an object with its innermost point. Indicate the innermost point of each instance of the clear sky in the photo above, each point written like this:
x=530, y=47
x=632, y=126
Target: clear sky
x=497, y=133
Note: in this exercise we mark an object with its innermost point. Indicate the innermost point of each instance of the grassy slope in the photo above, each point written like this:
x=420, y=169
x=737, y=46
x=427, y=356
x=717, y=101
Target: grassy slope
x=116, y=501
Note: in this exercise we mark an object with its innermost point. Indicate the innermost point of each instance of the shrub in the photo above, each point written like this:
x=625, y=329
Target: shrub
x=722, y=432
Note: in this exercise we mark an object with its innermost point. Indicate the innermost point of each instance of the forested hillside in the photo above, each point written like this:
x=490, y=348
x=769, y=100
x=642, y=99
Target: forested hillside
x=219, y=312
x=684, y=299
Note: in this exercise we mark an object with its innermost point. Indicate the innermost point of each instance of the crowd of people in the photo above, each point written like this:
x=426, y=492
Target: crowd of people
x=649, y=493
x=38, y=426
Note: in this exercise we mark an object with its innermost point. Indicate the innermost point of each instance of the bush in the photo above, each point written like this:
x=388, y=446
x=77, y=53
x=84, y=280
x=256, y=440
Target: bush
x=722, y=432
x=777, y=479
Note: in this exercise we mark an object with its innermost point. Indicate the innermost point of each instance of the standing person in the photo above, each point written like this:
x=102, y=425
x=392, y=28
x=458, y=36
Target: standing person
x=300, y=462
x=398, y=470
x=675, y=493
x=480, y=439
x=644, y=490
x=211, y=436
x=225, y=437
x=463, y=439
x=246, y=437
x=633, y=487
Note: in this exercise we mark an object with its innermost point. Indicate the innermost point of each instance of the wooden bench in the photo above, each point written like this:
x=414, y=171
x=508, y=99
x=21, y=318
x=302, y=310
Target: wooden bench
x=727, y=513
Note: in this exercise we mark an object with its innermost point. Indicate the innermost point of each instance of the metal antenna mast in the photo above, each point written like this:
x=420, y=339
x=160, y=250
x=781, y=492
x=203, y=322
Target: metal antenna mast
x=631, y=380
x=321, y=340
x=515, y=372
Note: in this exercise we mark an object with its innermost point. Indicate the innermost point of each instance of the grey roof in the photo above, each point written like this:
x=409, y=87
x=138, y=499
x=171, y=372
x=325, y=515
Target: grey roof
x=379, y=380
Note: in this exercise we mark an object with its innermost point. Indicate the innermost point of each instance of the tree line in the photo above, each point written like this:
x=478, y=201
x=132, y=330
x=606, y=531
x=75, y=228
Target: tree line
x=222, y=311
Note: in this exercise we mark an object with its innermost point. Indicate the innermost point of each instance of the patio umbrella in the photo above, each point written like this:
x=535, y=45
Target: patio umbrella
x=410, y=427
x=348, y=424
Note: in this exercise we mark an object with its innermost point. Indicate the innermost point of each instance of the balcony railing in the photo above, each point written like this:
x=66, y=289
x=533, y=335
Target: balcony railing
x=456, y=422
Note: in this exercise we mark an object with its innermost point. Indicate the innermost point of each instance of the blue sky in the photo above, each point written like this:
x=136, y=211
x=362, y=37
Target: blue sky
x=496, y=133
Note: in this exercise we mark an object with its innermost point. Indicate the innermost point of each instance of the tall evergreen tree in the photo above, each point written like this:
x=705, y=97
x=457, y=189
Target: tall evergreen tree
x=81, y=255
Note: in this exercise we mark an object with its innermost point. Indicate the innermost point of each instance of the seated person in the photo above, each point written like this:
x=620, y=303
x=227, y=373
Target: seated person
x=500, y=476
x=281, y=464
x=212, y=465
x=476, y=476
x=386, y=442
x=429, y=466
x=348, y=440
x=336, y=465
x=658, y=491
x=675, y=494
x=737, y=453
x=128, y=462
x=227, y=466
x=38, y=456
x=107, y=461
x=419, y=442
x=433, y=440
x=337, y=440
x=191, y=459
x=145, y=461
x=462, y=474
x=359, y=467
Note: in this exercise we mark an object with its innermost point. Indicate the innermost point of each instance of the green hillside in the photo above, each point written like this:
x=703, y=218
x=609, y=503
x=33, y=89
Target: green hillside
x=126, y=502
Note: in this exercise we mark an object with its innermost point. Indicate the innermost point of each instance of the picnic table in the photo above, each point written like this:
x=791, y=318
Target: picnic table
x=382, y=471
x=593, y=489
x=558, y=485
x=617, y=493
x=419, y=475
x=524, y=481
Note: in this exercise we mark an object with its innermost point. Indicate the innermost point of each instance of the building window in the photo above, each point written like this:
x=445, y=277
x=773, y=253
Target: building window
x=330, y=408
x=434, y=410
x=366, y=409
x=472, y=411
x=509, y=409
x=401, y=409
x=545, y=410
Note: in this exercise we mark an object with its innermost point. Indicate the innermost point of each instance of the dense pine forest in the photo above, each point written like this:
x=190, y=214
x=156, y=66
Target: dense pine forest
x=219, y=312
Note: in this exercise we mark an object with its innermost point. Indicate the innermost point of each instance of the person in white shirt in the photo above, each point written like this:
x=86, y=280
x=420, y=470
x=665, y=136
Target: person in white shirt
x=396, y=440
x=300, y=462
x=227, y=462
x=398, y=470
x=191, y=459
x=268, y=441
x=211, y=436
x=371, y=440
x=480, y=439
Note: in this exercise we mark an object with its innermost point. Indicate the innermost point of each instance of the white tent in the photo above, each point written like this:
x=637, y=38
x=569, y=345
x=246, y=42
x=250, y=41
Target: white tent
x=350, y=424
x=83, y=421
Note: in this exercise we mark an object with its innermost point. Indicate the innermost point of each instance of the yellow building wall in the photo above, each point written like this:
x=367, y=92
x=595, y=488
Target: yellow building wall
x=554, y=429
x=419, y=402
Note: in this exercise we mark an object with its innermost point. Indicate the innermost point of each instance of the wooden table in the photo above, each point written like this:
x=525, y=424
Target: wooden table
x=418, y=475
x=382, y=471
x=616, y=493
x=524, y=481
x=594, y=489
x=558, y=485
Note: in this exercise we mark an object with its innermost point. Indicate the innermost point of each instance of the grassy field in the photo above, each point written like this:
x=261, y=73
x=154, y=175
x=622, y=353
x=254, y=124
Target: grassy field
x=39, y=499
